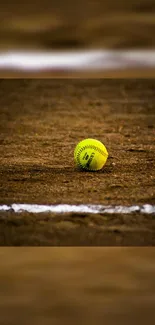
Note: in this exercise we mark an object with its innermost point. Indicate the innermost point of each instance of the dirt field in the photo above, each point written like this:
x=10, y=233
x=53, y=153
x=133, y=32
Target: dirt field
x=41, y=122
x=77, y=286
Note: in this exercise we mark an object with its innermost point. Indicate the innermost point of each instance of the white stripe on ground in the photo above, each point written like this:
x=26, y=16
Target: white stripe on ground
x=66, y=208
x=77, y=60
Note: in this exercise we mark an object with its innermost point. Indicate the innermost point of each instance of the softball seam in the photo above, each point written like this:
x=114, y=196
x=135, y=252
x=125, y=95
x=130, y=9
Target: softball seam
x=89, y=147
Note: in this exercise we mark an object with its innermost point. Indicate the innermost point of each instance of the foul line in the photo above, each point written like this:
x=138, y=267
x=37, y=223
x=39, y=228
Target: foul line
x=77, y=60
x=66, y=208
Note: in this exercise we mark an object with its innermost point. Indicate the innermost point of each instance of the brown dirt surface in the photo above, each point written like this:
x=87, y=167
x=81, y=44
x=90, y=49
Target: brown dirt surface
x=137, y=73
x=41, y=121
x=65, y=286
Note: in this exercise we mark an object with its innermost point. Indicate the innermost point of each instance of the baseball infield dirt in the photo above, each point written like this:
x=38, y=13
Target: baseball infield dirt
x=41, y=121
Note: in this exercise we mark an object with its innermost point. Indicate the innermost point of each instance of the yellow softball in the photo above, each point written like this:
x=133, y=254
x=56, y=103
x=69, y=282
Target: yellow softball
x=90, y=154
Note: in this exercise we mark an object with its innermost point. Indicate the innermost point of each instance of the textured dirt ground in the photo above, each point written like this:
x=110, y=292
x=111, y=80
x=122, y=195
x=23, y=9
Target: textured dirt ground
x=41, y=121
x=77, y=286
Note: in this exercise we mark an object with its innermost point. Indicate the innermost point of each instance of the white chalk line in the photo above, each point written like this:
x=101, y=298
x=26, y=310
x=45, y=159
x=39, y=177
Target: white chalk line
x=77, y=60
x=66, y=208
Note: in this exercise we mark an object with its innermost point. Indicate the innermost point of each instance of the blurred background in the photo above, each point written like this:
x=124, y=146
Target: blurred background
x=77, y=286
x=66, y=286
x=80, y=26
